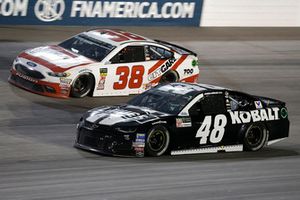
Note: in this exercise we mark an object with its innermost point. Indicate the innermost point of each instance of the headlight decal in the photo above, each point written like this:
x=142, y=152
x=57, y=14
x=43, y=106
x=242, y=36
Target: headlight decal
x=59, y=74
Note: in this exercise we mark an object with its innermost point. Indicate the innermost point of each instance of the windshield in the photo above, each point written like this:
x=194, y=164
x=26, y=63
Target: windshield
x=163, y=101
x=88, y=47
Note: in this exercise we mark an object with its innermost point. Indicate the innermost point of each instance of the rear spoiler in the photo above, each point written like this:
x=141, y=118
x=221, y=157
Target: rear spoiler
x=180, y=49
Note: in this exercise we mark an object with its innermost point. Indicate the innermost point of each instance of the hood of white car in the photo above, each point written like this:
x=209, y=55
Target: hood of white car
x=55, y=57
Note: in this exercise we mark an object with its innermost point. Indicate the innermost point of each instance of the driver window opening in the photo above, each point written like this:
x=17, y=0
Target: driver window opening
x=129, y=54
x=208, y=105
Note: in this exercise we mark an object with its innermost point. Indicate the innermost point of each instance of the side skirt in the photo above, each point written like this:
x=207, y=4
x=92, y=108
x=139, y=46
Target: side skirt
x=229, y=148
x=275, y=141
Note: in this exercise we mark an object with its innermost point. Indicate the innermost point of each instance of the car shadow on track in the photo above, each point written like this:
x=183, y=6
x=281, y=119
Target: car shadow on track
x=70, y=104
x=266, y=153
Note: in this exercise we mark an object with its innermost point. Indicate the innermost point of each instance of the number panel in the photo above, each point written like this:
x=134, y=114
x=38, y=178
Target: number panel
x=123, y=73
x=136, y=78
x=215, y=132
x=132, y=78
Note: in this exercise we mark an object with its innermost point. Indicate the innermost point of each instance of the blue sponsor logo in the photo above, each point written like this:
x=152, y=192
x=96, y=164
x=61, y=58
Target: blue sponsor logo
x=140, y=136
x=31, y=64
x=96, y=12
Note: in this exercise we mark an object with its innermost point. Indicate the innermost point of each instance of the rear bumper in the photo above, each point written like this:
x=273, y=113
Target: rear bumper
x=38, y=86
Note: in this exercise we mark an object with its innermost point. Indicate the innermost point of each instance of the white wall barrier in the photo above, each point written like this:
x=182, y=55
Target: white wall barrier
x=251, y=13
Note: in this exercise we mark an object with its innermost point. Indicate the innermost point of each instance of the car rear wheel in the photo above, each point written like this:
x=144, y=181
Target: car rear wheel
x=169, y=77
x=157, y=141
x=82, y=86
x=255, y=137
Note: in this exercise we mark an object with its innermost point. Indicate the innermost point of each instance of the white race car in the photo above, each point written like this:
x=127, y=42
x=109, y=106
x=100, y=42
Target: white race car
x=102, y=62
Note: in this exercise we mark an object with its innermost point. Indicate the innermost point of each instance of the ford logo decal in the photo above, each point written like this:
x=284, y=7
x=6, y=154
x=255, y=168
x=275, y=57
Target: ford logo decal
x=31, y=64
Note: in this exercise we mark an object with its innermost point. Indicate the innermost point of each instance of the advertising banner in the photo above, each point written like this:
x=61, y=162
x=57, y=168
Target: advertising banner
x=101, y=13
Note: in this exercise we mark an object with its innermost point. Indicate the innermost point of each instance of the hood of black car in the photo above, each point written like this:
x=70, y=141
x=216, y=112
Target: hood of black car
x=112, y=115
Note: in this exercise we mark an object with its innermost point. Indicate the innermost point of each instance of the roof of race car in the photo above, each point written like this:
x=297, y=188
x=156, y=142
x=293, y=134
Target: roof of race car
x=116, y=37
x=185, y=88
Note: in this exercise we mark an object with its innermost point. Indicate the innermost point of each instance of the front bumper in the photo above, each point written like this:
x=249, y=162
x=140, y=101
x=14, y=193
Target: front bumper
x=105, y=141
x=38, y=86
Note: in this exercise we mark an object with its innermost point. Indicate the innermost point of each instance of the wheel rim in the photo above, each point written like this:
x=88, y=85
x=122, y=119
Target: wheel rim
x=254, y=136
x=157, y=140
x=81, y=84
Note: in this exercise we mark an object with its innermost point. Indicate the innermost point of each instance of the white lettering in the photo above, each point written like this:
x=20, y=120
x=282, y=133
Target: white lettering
x=108, y=9
x=176, y=10
x=129, y=9
x=276, y=110
x=153, y=11
x=269, y=114
x=124, y=9
x=7, y=7
x=263, y=115
x=165, y=10
x=76, y=7
x=188, y=10
x=141, y=9
x=255, y=115
x=86, y=9
x=235, y=117
x=245, y=117
x=119, y=10
x=97, y=11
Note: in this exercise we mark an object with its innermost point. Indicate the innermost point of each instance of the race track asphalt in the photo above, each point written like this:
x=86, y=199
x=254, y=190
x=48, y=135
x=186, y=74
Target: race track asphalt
x=38, y=161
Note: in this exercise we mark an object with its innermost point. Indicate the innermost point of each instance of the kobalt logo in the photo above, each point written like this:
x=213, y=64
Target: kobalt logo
x=49, y=10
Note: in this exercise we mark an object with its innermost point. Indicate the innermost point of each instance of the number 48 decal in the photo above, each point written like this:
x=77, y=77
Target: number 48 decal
x=216, y=134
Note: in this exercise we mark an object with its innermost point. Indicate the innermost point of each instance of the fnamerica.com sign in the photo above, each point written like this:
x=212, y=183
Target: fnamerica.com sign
x=99, y=13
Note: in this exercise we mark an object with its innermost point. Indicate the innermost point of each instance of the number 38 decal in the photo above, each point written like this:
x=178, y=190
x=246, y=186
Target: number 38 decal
x=216, y=134
x=133, y=81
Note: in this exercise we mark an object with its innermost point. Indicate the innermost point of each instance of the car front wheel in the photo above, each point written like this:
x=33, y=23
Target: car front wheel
x=157, y=141
x=82, y=86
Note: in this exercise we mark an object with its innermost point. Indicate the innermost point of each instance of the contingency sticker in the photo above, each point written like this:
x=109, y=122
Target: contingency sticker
x=258, y=104
x=139, y=144
x=103, y=75
x=183, y=122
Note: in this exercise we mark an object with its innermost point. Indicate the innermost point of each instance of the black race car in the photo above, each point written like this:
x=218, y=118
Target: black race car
x=181, y=118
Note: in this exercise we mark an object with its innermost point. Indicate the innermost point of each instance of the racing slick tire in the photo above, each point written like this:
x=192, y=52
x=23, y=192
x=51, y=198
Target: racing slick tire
x=169, y=77
x=158, y=141
x=255, y=137
x=82, y=85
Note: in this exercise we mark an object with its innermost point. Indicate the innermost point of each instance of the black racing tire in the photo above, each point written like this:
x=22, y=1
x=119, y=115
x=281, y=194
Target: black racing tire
x=158, y=140
x=82, y=85
x=169, y=77
x=255, y=137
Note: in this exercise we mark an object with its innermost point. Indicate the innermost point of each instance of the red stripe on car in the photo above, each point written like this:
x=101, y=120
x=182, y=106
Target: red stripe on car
x=174, y=67
x=191, y=79
x=157, y=65
x=181, y=59
x=47, y=64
